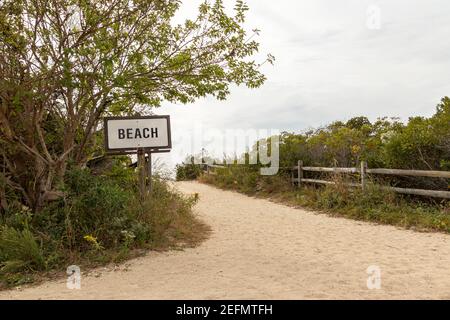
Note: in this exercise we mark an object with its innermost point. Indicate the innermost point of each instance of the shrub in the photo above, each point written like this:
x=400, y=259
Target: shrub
x=188, y=171
x=168, y=215
x=19, y=251
x=375, y=203
x=421, y=143
x=100, y=219
x=95, y=206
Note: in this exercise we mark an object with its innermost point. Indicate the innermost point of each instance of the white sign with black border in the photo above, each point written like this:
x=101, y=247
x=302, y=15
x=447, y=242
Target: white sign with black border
x=127, y=134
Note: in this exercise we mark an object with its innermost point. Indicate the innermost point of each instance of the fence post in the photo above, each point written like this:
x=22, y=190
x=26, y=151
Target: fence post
x=300, y=172
x=363, y=174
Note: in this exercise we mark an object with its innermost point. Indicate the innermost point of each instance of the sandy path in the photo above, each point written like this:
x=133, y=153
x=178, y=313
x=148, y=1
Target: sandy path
x=263, y=250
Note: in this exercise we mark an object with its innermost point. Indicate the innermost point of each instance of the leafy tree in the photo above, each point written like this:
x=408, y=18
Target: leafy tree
x=64, y=64
x=357, y=122
x=424, y=143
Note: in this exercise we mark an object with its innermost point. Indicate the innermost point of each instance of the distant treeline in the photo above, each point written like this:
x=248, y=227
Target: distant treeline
x=421, y=143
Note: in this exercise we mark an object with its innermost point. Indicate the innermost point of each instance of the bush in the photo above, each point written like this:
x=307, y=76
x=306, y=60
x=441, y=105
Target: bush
x=19, y=251
x=375, y=203
x=188, y=171
x=100, y=219
x=168, y=214
x=94, y=206
x=421, y=143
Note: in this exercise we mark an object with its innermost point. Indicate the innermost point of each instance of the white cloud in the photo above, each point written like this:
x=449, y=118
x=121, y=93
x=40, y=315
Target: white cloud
x=330, y=66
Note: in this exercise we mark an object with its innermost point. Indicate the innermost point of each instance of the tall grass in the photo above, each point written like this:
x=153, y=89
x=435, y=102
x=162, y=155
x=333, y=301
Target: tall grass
x=19, y=251
x=375, y=203
x=100, y=220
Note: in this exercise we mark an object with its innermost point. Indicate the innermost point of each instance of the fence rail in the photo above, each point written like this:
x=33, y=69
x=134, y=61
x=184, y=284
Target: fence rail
x=363, y=170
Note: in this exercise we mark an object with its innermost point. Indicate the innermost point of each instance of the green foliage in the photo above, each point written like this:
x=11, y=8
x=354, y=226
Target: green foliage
x=121, y=173
x=100, y=219
x=374, y=204
x=188, y=171
x=424, y=143
x=64, y=65
x=168, y=215
x=421, y=143
x=19, y=251
x=337, y=144
x=383, y=206
x=94, y=206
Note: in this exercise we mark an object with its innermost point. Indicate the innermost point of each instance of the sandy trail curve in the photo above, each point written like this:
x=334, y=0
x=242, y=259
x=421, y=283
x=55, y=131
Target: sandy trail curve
x=262, y=250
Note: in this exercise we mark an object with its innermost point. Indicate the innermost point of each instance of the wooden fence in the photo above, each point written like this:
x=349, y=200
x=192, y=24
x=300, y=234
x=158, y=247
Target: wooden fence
x=363, y=171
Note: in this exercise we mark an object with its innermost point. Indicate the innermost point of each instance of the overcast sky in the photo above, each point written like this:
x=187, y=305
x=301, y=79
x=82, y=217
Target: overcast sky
x=333, y=62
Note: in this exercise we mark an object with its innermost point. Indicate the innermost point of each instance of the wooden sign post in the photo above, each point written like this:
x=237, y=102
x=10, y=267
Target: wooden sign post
x=141, y=172
x=140, y=135
x=149, y=170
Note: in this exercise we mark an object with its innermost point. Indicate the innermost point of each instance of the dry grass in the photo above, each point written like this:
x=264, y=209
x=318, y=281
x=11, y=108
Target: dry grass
x=164, y=221
x=375, y=204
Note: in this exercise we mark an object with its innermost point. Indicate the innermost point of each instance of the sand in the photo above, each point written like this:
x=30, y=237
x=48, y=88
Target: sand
x=263, y=250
